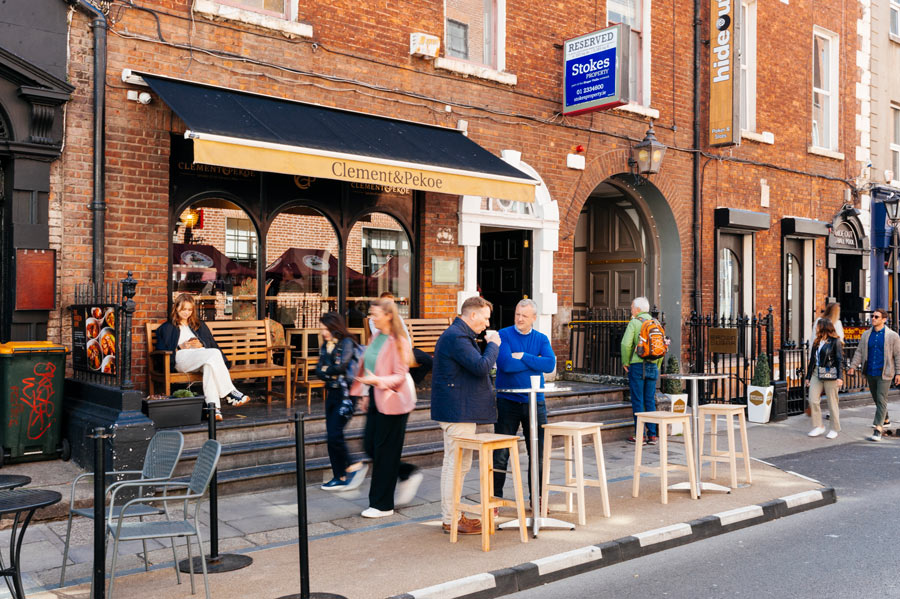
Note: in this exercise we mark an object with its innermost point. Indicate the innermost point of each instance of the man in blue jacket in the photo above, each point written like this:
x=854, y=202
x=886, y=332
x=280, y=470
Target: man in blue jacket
x=524, y=352
x=461, y=394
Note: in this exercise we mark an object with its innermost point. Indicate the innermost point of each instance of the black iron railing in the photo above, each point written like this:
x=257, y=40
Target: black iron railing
x=751, y=336
x=595, y=337
x=101, y=333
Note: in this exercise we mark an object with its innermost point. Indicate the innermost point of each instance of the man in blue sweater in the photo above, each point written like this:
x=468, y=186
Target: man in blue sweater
x=524, y=352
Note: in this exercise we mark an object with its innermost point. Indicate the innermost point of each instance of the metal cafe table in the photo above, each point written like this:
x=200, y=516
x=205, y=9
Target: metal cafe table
x=534, y=461
x=12, y=481
x=695, y=378
x=23, y=503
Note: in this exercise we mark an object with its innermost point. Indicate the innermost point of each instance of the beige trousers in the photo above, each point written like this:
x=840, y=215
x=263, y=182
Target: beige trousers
x=453, y=429
x=815, y=395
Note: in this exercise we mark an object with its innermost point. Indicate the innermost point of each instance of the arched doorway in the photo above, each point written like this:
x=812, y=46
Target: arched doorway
x=616, y=255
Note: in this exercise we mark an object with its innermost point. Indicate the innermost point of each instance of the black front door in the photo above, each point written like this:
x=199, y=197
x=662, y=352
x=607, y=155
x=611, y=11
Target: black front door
x=847, y=278
x=504, y=272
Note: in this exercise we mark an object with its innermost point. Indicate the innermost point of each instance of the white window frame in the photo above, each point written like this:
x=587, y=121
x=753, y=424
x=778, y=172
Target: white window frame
x=472, y=69
x=241, y=4
x=830, y=144
x=243, y=238
x=748, y=64
x=894, y=20
x=895, y=141
x=643, y=97
x=286, y=23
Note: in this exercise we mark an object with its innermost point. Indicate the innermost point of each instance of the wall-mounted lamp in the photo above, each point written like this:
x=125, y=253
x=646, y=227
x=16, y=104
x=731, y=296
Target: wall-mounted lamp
x=648, y=155
x=190, y=217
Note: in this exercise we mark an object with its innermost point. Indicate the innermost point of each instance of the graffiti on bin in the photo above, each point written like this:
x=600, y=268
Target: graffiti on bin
x=35, y=395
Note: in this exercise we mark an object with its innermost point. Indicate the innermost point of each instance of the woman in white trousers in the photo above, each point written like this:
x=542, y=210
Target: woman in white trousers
x=196, y=349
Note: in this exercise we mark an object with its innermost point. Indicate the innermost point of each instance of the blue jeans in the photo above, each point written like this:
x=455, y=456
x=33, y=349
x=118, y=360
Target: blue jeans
x=642, y=382
x=511, y=414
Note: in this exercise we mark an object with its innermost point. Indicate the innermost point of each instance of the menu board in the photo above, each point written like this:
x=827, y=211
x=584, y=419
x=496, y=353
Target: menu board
x=94, y=339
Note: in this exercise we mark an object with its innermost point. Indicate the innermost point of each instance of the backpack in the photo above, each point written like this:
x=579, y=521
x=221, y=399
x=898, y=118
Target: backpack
x=651, y=343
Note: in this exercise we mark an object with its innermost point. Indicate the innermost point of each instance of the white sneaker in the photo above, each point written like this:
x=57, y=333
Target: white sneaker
x=407, y=489
x=831, y=435
x=817, y=431
x=371, y=512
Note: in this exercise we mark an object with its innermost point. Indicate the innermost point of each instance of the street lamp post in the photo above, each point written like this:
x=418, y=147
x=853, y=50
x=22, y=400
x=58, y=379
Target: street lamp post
x=892, y=208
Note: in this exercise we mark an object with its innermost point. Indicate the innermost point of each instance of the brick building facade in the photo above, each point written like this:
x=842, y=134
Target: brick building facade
x=585, y=223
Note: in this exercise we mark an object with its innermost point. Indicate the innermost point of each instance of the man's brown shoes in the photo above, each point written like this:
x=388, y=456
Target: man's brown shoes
x=466, y=527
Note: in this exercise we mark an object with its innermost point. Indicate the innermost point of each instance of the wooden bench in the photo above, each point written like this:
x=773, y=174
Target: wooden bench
x=424, y=332
x=246, y=343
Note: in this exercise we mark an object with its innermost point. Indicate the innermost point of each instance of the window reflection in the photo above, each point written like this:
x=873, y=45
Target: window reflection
x=214, y=255
x=729, y=284
x=302, y=268
x=378, y=262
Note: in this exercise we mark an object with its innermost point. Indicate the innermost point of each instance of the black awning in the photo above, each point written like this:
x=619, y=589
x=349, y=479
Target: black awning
x=804, y=227
x=244, y=130
x=732, y=218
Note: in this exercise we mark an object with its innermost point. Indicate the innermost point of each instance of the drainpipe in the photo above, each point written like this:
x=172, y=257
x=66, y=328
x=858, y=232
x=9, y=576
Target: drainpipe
x=698, y=193
x=98, y=203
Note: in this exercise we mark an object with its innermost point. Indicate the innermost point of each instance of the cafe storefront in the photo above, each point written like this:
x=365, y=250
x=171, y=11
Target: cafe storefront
x=287, y=210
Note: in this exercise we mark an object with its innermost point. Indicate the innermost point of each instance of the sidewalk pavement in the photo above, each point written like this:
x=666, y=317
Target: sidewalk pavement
x=361, y=558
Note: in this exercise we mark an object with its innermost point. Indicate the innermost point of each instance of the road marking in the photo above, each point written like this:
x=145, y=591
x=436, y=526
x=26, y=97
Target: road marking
x=569, y=559
x=739, y=514
x=797, y=474
x=665, y=533
x=799, y=499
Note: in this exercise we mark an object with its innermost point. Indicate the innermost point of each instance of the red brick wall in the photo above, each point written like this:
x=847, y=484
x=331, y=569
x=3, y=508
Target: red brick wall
x=363, y=50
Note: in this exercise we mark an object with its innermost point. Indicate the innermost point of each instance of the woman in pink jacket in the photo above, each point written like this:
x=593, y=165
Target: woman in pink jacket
x=388, y=389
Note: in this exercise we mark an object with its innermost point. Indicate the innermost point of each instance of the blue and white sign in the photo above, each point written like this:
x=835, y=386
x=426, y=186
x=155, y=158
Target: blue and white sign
x=596, y=70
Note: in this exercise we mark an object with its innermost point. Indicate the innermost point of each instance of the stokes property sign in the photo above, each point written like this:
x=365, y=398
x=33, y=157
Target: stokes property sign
x=595, y=68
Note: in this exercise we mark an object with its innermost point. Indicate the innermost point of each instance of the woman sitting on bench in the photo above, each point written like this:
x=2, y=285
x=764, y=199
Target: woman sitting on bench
x=196, y=349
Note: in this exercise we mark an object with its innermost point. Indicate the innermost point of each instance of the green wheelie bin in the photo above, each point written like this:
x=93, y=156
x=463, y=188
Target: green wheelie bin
x=32, y=374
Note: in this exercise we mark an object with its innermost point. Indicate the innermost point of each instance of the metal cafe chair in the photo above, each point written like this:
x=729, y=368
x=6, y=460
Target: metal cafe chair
x=188, y=526
x=160, y=460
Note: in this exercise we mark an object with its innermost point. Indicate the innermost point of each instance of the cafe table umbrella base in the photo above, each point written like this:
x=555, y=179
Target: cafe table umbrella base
x=227, y=562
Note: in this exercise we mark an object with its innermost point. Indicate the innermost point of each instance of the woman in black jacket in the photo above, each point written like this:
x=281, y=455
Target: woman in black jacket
x=335, y=357
x=196, y=349
x=825, y=371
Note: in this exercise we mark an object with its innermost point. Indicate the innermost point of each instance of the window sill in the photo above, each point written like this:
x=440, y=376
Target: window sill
x=214, y=10
x=639, y=109
x=468, y=69
x=766, y=137
x=894, y=38
x=825, y=152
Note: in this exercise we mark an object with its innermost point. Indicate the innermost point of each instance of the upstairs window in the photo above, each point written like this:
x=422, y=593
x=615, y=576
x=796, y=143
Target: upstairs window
x=895, y=141
x=824, y=90
x=748, y=66
x=471, y=31
x=275, y=8
x=895, y=18
x=630, y=12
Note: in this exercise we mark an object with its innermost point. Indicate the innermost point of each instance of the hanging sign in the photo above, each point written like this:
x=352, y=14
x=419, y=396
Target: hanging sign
x=595, y=68
x=724, y=68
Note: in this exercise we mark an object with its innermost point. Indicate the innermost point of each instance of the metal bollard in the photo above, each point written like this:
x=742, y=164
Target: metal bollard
x=98, y=581
x=303, y=541
x=215, y=563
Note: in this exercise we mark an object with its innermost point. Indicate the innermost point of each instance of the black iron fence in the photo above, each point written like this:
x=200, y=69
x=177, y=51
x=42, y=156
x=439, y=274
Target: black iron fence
x=729, y=346
x=595, y=337
x=101, y=333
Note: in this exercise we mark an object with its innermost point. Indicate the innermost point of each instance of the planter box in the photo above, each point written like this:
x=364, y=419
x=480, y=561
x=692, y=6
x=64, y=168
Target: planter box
x=678, y=403
x=174, y=411
x=759, y=403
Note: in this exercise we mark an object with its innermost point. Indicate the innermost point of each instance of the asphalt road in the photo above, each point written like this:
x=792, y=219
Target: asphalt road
x=845, y=550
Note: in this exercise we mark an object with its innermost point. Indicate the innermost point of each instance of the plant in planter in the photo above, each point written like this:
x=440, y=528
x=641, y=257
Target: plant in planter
x=182, y=408
x=673, y=390
x=760, y=391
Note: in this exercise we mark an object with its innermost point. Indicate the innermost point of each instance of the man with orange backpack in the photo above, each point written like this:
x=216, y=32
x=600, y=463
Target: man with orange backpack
x=644, y=346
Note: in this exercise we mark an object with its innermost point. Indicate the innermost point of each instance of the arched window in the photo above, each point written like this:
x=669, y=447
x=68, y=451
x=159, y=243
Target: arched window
x=729, y=284
x=378, y=261
x=302, y=250
x=214, y=258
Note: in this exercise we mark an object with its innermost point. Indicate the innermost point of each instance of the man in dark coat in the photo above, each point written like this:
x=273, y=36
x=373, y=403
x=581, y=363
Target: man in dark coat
x=461, y=394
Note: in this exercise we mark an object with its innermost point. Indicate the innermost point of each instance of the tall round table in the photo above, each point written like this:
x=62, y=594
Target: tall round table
x=536, y=522
x=695, y=378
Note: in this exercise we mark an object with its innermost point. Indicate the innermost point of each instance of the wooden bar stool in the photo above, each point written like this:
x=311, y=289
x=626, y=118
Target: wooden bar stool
x=573, y=434
x=727, y=412
x=663, y=420
x=485, y=444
